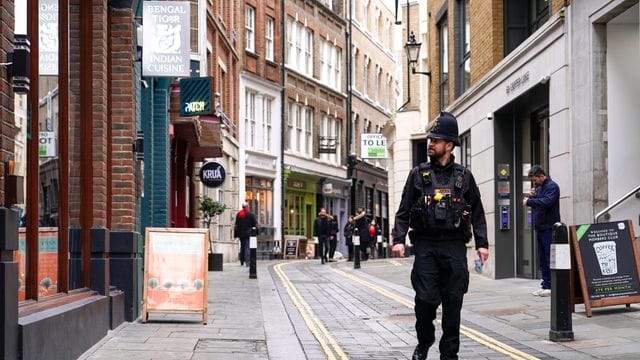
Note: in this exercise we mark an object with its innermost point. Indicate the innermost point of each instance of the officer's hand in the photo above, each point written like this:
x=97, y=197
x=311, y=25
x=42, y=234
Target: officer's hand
x=483, y=253
x=397, y=250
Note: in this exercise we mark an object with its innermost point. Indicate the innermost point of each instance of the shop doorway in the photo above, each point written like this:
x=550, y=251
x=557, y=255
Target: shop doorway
x=534, y=150
x=521, y=134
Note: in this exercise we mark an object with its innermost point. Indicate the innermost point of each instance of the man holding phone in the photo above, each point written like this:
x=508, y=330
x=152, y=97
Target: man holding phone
x=544, y=199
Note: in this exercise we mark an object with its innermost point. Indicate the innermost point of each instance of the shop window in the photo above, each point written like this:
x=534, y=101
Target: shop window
x=259, y=195
x=295, y=219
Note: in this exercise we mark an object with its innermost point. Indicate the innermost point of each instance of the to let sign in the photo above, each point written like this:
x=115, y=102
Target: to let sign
x=212, y=174
x=374, y=146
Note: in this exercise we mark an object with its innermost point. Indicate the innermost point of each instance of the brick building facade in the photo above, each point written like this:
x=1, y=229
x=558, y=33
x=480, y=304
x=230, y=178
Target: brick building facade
x=83, y=197
x=314, y=106
x=260, y=174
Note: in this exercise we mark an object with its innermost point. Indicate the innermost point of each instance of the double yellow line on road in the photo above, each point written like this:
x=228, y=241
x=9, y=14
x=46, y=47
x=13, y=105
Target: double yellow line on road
x=327, y=342
x=472, y=334
x=333, y=350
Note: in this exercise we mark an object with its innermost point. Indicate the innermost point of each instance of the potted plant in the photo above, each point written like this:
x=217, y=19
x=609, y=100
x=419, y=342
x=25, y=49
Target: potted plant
x=211, y=208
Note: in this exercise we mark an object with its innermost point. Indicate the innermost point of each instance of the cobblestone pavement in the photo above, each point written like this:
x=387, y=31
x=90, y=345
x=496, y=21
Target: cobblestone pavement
x=305, y=310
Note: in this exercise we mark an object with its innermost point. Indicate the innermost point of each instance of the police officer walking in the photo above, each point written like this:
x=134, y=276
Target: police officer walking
x=440, y=202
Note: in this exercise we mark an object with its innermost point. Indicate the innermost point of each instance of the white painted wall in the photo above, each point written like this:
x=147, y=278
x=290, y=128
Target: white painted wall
x=623, y=136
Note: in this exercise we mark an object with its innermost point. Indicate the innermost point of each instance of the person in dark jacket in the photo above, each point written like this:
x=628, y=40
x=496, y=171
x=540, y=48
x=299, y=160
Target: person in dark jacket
x=544, y=200
x=333, y=238
x=440, y=202
x=322, y=230
x=245, y=221
x=362, y=224
x=348, y=236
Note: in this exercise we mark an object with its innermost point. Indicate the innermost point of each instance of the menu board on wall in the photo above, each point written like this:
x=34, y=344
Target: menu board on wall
x=607, y=262
x=175, y=276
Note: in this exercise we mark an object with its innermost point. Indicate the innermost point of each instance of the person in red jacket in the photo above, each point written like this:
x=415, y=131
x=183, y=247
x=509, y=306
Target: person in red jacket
x=245, y=221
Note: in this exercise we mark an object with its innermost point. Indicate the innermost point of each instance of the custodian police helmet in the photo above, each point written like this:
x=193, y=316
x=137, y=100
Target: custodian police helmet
x=445, y=127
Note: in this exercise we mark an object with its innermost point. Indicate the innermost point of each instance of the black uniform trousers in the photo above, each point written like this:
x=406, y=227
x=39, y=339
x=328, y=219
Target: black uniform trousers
x=439, y=275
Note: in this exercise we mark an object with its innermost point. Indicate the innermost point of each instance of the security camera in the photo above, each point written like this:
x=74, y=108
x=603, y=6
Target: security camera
x=545, y=79
x=489, y=116
x=144, y=83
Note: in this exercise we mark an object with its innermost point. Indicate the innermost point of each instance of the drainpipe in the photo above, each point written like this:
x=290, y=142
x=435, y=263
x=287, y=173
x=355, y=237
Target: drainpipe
x=282, y=119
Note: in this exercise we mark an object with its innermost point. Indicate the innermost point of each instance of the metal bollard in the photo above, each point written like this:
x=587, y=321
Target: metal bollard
x=253, y=245
x=560, y=264
x=379, y=245
x=356, y=249
x=385, y=252
x=316, y=247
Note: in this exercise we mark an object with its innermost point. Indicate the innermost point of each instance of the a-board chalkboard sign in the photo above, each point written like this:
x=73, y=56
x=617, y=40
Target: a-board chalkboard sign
x=291, y=248
x=608, y=264
x=175, y=271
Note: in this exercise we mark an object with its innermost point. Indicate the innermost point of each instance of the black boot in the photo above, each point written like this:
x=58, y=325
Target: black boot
x=420, y=353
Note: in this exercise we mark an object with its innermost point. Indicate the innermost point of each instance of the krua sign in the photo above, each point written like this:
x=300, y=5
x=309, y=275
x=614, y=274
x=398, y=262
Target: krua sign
x=212, y=174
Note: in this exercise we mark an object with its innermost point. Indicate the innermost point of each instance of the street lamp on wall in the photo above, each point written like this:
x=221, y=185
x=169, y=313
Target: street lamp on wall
x=413, y=52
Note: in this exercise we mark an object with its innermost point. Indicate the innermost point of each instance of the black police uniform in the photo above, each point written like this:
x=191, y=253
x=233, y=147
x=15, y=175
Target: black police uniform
x=439, y=236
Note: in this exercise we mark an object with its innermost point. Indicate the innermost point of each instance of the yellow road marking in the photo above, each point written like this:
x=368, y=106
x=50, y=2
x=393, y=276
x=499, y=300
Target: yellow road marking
x=472, y=334
x=311, y=320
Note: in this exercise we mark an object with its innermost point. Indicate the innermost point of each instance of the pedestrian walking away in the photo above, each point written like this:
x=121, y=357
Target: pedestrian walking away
x=362, y=224
x=544, y=200
x=441, y=204
x=245, y=221
x=333, y=237
x=348, y=236
x=322, y=230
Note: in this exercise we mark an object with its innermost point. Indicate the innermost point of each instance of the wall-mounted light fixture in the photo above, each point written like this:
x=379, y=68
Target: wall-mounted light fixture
x=413, y=52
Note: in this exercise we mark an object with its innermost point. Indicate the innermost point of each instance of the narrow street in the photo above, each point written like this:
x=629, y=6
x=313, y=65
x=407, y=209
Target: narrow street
x=305, y=310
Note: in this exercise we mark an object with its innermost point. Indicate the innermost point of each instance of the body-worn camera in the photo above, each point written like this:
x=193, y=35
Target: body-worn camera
x=440, y=211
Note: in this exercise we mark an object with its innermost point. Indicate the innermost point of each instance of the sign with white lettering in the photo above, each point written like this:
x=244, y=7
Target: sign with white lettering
x=165, y=38
x=212, y=174
x=195, y=96
x=48, y=37
x=374, y=146
x=608, y=263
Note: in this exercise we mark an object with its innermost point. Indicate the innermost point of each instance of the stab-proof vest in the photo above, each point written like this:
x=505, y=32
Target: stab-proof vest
x=442, y=201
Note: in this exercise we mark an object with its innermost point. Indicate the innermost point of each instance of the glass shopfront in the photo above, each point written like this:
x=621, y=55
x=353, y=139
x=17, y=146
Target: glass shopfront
x=259, y=195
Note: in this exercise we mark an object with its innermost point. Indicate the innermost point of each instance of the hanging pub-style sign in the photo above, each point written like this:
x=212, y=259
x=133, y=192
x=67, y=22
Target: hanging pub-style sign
x=212, y=174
